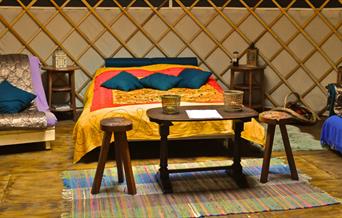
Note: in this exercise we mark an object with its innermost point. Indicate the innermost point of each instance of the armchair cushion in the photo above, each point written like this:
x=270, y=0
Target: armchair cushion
x=15, y=99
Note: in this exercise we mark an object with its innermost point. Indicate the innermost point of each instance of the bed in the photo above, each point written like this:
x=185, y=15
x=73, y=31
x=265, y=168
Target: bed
x=331, y=134
x=102, y=103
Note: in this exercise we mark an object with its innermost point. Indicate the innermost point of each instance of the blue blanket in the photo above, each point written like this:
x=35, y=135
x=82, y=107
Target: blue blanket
x=331, y=134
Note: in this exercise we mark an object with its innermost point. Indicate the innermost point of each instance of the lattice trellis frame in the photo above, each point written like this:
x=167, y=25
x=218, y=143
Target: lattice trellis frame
x=192, y=31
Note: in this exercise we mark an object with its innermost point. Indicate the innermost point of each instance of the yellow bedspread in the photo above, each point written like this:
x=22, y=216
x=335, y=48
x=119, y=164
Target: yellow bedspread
x=88, y=135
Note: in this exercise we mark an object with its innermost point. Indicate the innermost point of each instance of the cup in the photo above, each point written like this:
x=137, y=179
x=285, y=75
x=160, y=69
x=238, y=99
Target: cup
x=233, y=100
x=170, y=104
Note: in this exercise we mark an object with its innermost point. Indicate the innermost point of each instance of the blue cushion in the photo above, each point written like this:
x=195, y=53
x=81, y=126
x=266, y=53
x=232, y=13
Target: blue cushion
x=123, y=81
x=160, y=81
x=193, y=78
x=137, y=62
x=13, y=99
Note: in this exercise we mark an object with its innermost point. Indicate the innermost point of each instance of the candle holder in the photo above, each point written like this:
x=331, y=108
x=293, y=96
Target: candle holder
x=235, y=59
x=59, y=59
x=170, y=104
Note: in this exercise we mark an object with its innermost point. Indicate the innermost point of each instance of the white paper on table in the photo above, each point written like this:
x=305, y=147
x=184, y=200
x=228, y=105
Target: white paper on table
x=197, y=114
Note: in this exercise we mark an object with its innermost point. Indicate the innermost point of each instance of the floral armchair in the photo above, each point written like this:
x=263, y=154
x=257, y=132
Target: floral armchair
x=23, y=120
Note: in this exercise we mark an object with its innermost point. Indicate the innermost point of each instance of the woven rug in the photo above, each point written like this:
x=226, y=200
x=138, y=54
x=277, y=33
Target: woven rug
x=195, y=194
x=300, y=141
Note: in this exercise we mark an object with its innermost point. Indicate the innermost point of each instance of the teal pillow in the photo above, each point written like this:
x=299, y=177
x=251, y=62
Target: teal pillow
x=13, y=99
x=160, y=81
x=193, y=78
x=123, y=81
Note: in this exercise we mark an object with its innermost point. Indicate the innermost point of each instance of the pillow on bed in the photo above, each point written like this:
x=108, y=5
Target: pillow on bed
x=160, y=81
x=123, y=81
x=15, y=99
x=193, y=78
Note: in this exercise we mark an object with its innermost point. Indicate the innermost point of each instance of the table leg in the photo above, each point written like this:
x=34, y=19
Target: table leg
x=163, y=174
x=237, y=174
x=72, y=93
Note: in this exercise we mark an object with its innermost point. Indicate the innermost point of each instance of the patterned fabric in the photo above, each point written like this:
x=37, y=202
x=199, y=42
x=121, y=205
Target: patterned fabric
x=196, y=194
x=105, y=98
x=104, y=103
x=15, y=68
x=23, y=120
x=145, y=96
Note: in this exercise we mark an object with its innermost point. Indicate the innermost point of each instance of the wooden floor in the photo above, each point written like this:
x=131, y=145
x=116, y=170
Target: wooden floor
x=31, y=186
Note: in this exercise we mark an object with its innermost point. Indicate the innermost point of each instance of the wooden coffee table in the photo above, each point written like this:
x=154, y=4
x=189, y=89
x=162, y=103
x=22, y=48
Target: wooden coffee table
x=165, y=121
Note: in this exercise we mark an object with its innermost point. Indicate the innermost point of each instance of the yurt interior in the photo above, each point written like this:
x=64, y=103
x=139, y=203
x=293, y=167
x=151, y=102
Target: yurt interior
x=170, y=108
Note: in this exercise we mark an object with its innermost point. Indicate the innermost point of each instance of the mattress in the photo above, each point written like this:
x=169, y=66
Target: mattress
x=103, y=103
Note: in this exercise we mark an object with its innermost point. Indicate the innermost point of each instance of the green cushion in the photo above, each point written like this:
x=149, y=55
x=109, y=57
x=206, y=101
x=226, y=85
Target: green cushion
x=160, y=81
x=13, y=99
x=123, y=81
x=193, y=78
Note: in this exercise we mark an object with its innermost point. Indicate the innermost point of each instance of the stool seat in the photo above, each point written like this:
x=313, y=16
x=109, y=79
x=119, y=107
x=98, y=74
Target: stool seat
x=116, y=124
x=273, y=118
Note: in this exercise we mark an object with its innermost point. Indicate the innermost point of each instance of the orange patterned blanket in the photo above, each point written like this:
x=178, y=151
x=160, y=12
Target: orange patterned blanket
x=104, y=98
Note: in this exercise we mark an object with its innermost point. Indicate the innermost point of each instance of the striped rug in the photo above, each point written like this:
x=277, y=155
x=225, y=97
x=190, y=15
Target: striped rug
x=195, y=194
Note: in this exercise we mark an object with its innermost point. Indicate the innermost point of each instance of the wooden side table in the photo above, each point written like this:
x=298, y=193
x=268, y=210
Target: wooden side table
x=339, y=74
x=70, y=87
x=250, y=83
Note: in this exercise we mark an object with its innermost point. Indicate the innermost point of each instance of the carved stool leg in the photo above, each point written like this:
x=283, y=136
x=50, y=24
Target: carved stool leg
x=102, y=162
x=118, y=157
x=267, y=153
x=122, y=140
x=288, y=150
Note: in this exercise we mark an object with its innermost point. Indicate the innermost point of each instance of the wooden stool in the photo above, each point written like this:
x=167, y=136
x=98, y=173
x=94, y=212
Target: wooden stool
x=119, y=126
x=272, y=118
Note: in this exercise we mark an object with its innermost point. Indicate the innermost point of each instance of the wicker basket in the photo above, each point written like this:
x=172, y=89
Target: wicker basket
x=170, y=104
x=233, y=100
x=300, y=113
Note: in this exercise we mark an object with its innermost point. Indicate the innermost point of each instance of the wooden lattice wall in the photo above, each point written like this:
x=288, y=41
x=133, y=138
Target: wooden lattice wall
x=300, y=46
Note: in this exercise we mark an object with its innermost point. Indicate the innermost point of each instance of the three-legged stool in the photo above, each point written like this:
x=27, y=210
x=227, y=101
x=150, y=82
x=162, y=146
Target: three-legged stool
x=273, y=118
x=118, y=126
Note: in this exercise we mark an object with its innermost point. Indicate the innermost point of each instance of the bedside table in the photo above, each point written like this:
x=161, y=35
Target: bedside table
x=250, y=83
x=69, y=88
